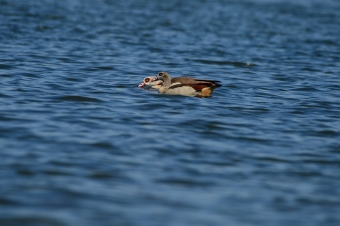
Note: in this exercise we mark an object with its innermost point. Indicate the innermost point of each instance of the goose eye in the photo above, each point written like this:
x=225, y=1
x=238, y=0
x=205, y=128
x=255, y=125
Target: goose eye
x=147, y=80
x=160, y=74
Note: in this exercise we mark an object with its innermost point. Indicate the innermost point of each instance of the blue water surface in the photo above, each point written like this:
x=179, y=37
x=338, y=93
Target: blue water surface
x=80, y=144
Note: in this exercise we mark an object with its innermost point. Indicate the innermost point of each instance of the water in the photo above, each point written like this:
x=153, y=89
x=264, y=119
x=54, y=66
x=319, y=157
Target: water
x=80, y=144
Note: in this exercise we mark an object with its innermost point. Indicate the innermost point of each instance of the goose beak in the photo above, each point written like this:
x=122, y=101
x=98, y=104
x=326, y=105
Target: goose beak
x=141, y=85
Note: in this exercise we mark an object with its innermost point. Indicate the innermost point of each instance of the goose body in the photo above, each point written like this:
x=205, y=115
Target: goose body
x=186, y=86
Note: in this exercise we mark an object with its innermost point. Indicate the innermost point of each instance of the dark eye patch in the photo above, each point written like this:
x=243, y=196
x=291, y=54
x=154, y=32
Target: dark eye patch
x=160, y=74
x=147, y=79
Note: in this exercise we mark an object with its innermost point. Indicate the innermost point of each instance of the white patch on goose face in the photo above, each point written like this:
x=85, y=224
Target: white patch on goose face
x=151, y=82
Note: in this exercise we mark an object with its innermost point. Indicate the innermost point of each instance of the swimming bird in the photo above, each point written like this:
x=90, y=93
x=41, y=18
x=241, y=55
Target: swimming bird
x=186, y=86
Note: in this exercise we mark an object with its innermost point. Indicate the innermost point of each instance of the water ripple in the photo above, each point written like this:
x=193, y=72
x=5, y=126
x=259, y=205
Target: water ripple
x=78, y=99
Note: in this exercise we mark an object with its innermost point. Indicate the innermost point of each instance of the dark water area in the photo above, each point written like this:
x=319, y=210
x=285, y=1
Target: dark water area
x=80, y=144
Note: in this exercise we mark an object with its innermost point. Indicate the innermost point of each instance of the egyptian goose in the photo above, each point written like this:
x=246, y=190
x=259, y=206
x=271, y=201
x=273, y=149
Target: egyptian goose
x=186, y=86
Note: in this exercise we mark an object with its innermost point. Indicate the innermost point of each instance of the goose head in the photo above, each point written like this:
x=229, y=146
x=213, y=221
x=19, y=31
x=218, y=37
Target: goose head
x=165, y=77
x=152, y=82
